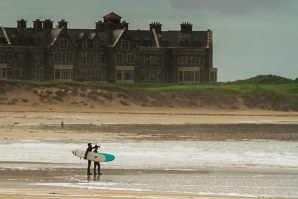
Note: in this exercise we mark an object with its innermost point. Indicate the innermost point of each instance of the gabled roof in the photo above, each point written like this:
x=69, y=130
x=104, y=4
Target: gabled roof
x=3, y=34
x=54, y=35
x=116, y=36
x=112, y=15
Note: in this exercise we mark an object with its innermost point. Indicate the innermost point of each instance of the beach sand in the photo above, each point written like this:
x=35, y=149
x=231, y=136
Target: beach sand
x=122, y=125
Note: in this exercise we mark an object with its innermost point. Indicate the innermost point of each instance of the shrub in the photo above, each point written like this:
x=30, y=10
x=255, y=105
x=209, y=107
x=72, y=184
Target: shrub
x=59, y=94
x=108, y=96
x=3, y=89
x=92, y=95
x=124, y=103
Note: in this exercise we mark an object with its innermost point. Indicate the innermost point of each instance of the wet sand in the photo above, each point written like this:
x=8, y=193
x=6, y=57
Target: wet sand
x=29, y=185
x=215, y=126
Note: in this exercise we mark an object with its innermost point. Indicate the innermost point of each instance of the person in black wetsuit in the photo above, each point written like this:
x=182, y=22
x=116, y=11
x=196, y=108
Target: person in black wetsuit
x=89, y=149
x=96, y=164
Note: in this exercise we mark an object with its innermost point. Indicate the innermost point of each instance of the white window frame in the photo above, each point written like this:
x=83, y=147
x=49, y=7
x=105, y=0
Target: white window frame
x=130, y=58
x=84, y=44
x=64, y=43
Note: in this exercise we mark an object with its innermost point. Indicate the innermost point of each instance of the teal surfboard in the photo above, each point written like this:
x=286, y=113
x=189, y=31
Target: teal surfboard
x=109, y=157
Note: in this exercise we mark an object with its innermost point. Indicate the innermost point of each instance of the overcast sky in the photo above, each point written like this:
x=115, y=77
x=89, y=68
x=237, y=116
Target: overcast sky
x=251, y=37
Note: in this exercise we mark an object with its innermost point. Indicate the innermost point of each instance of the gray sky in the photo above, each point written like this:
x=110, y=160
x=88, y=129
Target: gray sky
x=251, y=37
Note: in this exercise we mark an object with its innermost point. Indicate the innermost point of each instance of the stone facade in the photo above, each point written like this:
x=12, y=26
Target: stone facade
x=108, y=53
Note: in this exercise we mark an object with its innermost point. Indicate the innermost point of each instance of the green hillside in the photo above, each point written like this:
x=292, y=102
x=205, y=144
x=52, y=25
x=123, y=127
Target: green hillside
x=262, y=92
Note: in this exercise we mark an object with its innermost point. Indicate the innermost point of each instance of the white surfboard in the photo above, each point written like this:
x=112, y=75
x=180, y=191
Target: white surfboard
x=97, y=157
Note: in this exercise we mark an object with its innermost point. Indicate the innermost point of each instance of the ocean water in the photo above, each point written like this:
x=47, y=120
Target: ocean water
x=181, y=155
x=246, y=168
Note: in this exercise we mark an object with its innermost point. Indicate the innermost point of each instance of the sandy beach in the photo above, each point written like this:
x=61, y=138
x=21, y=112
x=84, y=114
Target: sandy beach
x=29, y=178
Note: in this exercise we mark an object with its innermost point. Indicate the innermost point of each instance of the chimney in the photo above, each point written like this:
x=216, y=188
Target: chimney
x=100, y=26
x=21, y=24
x=37, y=24
x=124, y=24
x=186, y=27
x=156, y=26
x=48, y=24
x=62, y=23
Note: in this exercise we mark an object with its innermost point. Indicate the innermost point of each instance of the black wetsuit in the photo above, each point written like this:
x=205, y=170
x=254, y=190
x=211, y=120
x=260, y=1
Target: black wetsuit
x=89, y=149
x=96, y=164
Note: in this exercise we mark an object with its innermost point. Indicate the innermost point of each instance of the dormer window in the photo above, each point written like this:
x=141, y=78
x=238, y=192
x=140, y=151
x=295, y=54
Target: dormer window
x=184, y=43
x=164, y=43
x=84, y=44
x=63, y=43
x=197, y=44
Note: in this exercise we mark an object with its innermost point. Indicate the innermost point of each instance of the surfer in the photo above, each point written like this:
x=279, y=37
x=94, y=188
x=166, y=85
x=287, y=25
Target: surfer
x=89, y=149
x=96, y=164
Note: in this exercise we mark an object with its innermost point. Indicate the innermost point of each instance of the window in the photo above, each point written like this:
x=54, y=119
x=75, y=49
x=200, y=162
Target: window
x=84, y=44
x=63, y=43
x=153, y=75
x=69, y=57
x=57, y=58
x=125, y=75
x=119, y=58
x=99, y=58
x=182, y=60
x=89, y=58
x=153, y=59
x=66, y=74
x=102, y=58
x=3, y=73
x=96, y=44
x=124, y=44
x=164, y=43
x=188, y=76
x=9, y=72
x=57, y=73
x=195, y=60
x=63, y=74
x=2, y=56
x=197, y=44
x=130, y=58
x=83, y=58
x=184, y=43
x=9, y=57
